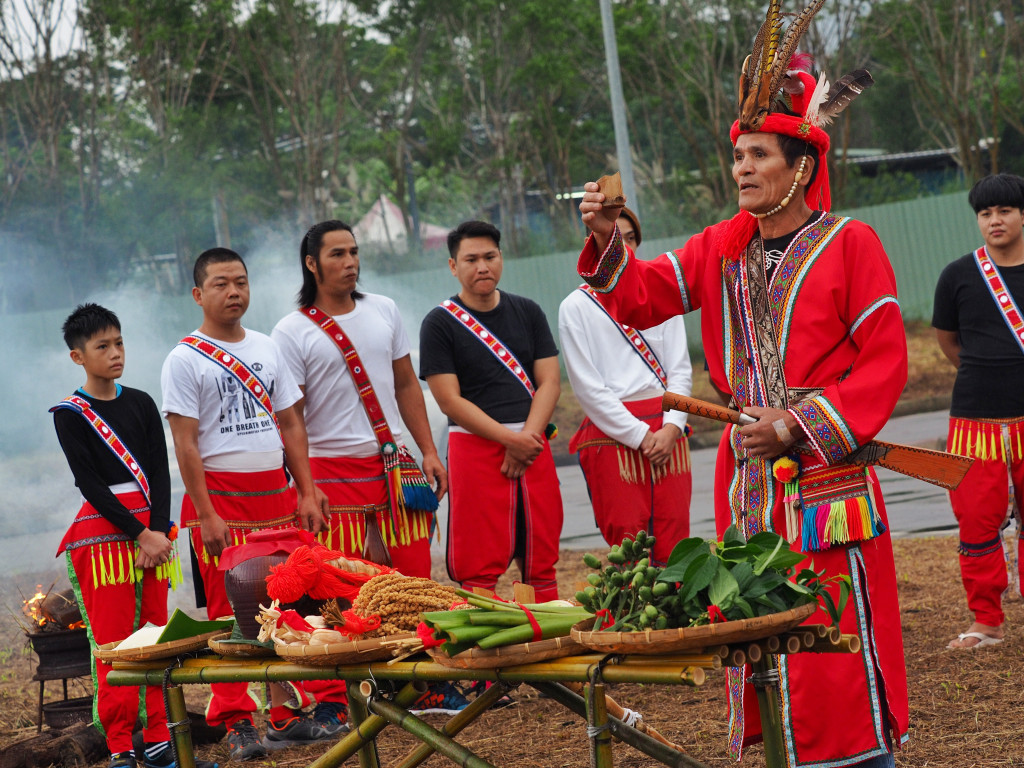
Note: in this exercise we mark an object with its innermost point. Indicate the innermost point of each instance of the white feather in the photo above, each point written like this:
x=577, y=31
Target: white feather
x=817, y=99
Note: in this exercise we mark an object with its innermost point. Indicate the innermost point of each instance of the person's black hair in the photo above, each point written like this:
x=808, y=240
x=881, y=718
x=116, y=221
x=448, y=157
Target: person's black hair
x=311, y=244
x=793, y=149
x=472, y=229
x=85, y=322
x=997, y=190
x=213, y=256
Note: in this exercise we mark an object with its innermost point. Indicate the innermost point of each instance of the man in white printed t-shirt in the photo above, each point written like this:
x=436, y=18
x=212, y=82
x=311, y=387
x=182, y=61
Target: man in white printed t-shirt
x=233, y=469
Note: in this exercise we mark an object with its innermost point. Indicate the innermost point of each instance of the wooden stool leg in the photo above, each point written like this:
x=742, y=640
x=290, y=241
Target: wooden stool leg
x=39, y=712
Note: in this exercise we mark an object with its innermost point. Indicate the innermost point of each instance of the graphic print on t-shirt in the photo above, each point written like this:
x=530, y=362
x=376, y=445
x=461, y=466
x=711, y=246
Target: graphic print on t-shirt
x=239, y=412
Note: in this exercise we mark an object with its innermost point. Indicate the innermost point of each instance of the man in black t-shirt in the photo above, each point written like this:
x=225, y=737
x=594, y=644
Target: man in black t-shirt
x=980, y=328
x=491, y=364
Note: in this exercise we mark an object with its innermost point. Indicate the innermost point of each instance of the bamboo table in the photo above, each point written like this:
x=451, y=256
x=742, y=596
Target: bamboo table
x=371, y=710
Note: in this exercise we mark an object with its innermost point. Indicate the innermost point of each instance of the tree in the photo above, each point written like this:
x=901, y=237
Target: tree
x=957, y=62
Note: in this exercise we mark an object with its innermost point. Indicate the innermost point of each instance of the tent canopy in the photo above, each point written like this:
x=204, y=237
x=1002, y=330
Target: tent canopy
x=384, y=226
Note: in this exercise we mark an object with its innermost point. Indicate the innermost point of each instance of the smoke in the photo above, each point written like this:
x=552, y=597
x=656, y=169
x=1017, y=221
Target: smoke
x=40, y=497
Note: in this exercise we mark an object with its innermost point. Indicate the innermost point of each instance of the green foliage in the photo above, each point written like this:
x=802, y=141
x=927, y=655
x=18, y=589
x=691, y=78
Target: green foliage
x=738, y=578
x=287, y=111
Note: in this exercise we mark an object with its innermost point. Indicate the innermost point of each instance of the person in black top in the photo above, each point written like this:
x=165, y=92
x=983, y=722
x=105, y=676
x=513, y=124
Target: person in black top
x=980, y=329
x=491, y=363
x=118, y=549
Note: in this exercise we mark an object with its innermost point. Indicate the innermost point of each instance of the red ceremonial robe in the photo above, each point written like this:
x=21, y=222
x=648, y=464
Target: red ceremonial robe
x=824, y=340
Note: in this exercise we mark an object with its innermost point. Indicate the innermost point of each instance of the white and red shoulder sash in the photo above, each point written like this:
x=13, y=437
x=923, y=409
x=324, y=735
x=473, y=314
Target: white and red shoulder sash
x=107, y=435
x=250, y=382
x=482, y=334
x=634, y=338
x=1007, y=306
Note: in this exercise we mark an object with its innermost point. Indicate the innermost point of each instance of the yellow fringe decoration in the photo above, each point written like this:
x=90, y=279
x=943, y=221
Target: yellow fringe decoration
x=92, y=560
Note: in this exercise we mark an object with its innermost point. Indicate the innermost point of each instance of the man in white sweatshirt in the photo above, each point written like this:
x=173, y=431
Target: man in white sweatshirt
x=634, y=457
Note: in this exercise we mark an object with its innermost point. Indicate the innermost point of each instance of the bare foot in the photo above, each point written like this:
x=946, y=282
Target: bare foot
x=969, y=638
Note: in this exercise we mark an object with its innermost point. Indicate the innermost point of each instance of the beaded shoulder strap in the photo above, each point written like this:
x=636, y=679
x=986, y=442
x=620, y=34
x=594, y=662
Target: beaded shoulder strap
x=482, y=334
x=107, y=434
x=1007, y=306
x=250, y=382
x=364, y=386
x=634, y=338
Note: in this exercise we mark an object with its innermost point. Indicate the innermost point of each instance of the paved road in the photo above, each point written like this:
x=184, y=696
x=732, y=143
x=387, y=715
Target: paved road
x=914, y=507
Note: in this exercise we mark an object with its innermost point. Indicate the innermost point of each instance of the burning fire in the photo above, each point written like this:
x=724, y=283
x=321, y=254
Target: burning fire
x=35, y=613
x=33, y=608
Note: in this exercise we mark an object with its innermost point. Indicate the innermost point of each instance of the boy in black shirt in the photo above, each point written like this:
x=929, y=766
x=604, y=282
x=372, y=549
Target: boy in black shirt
x=119, y=555
x=491, y=364
x=980, y=329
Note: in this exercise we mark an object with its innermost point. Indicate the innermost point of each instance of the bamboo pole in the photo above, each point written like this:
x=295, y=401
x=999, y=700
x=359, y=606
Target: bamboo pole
x=569, y=668
x=793, y=644
x=617, y=711
x=736, y=658
x=771, y=718
x=478, y=706
x=846, y=644
x=177, y=717
x=641, y=740
x=365, y=733
x=369, y=756
x=599, y=730
x=398, y=715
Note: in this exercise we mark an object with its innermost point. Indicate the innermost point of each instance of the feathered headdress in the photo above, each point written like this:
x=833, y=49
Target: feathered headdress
x=776, y=77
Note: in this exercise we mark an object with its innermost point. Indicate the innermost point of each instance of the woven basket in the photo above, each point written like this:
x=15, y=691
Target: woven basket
x=508, y=655
x=221, y=644
x=355, y=652
x=659, y=641
x=109, y=652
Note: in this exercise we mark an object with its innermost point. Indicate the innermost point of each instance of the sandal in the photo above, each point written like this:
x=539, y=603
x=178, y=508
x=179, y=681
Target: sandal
x=981, y=637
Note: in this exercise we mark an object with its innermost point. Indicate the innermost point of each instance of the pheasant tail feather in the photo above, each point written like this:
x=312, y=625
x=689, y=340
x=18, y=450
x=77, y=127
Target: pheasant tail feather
x=845, y=90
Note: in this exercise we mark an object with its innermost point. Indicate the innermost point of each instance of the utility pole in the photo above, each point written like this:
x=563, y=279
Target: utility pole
x=611, y=55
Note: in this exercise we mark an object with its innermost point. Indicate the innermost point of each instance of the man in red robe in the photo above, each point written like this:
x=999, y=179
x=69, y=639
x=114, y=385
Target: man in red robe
x=801, y=327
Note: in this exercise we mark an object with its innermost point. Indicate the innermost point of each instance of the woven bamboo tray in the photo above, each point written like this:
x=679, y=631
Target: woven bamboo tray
x=219, y=644
x=658, y=641
x=109, y=651
x=508, y=655
x=355, y=652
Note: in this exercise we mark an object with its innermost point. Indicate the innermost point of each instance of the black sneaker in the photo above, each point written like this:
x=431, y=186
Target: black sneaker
x=122, y=760
x=161, y=755
x=244, y=741
x=295, y=731
x=332, y=715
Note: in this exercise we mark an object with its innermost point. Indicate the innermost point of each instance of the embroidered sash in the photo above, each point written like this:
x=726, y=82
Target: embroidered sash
x=634, y=338
x=501, y=353
x=104, y=548
x=1007, y=306
x=408, y=488
x=108, y=436
x=250, y=382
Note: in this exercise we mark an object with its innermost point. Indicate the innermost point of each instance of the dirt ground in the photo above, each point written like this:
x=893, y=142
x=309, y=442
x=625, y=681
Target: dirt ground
x=965, y=706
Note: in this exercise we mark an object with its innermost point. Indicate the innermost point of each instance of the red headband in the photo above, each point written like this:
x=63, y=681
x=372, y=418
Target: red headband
x=818, y=194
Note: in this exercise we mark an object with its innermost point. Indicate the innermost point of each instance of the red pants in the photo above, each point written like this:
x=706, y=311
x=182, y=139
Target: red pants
x=991, y=490
x=247, y=501
x=352, y=485
x=482, y=514
x=654, y=501
x=112, y=612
